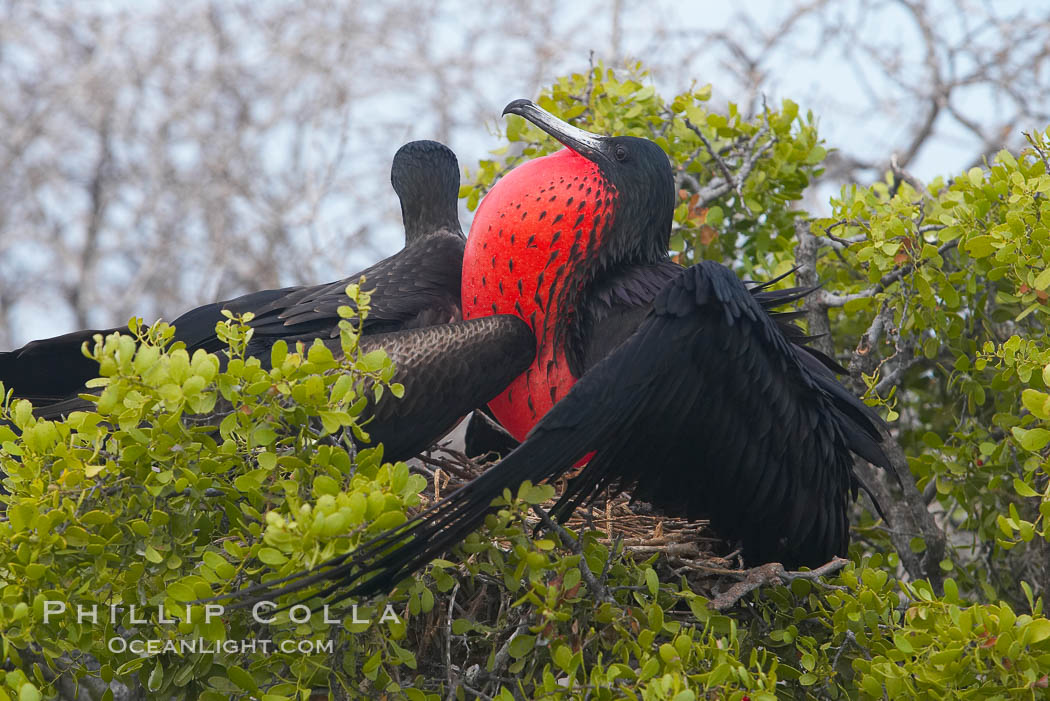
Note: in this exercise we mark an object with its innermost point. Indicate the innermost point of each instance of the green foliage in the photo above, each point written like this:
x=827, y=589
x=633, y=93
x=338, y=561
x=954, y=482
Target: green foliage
x=961, y=269
x=151, y=500
x=194, y=477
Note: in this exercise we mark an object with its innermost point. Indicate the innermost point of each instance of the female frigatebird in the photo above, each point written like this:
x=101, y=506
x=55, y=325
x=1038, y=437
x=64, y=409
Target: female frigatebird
x=677, y=383
x=414, y=315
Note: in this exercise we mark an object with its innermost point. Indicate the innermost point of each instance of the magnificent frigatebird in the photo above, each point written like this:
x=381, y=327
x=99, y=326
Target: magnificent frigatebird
x=678, y=384
x=414, y=315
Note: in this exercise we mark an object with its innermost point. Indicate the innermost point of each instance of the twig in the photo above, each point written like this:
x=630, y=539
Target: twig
x=901, y=175
x=891, y=378
x=598, y=588
x=719, y=187
x=839, y=242
x=447, y=465
x=1034, y=143
x=772, y=573
x=847, y=640
x=476, y=692
x=828, y=299
x=448, y=635
x=726, y=173
x=504, y=652
x=613, y=552
x=670, y=549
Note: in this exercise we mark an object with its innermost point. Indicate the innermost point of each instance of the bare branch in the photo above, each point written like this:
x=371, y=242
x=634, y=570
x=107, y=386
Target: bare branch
x=772, y=573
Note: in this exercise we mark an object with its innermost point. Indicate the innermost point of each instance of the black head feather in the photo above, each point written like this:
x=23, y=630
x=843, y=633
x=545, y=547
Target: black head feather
x=425, y=176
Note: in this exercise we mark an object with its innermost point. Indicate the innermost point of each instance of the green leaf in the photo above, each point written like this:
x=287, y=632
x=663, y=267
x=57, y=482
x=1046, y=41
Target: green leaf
x=715, y=216
x=522, y=645
x=263, y=435
x=181, y=592
x=872, y=686
x=980, y=246
x=1033, y=439
x=323, y=484
x=156, y=677
x=652, y=582
x=372, y=361
x=1023, y=489
x=563, y=657
x=242, y=679
x=1036, y=402
x=537, y=493
x=272, y=556
x=1038, y=630
x=96, y=518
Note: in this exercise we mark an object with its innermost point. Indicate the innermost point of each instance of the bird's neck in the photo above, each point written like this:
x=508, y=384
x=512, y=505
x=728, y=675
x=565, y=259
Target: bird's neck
x=419, y=226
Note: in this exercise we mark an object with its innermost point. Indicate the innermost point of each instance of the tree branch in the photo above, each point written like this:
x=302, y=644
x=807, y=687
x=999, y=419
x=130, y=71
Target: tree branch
x=772, y=573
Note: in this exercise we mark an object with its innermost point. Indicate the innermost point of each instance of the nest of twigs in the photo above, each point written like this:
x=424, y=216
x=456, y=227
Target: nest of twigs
x=687, y=548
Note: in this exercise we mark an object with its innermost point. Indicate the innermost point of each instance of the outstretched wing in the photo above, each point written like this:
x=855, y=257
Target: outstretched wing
x=438, y=366
x=418, y=286
x=51, y=369
x=414, y=288
x=708, y=409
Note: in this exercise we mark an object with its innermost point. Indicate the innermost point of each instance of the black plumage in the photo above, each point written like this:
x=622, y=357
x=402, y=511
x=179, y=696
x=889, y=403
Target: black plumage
x=485, y=439
x=691, y=392
x=447, y=370
x=51, y=370
x=417, y=286
x=414, y=315
x=708, y=410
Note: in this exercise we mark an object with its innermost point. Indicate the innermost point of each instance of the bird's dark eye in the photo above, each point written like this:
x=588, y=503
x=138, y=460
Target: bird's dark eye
x=620, y=153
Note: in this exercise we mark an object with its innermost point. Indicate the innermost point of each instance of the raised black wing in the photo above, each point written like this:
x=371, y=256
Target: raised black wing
x=723, y=417
x=707, y=410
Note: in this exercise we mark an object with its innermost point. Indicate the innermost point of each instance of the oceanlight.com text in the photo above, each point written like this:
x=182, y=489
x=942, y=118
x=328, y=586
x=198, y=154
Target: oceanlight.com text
x=189, y=646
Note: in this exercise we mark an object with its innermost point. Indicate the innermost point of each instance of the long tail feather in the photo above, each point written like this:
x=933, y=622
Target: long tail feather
x=379, y=564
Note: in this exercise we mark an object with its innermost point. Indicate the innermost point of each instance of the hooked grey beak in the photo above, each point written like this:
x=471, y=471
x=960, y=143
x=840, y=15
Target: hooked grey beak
x=582, y=142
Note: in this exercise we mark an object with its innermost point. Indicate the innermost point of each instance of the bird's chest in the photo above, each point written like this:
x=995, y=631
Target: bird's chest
x=523, y=256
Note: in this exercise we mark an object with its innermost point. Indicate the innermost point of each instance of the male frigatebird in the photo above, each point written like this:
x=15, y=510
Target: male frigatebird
x=678, y=384
x=414, y=315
